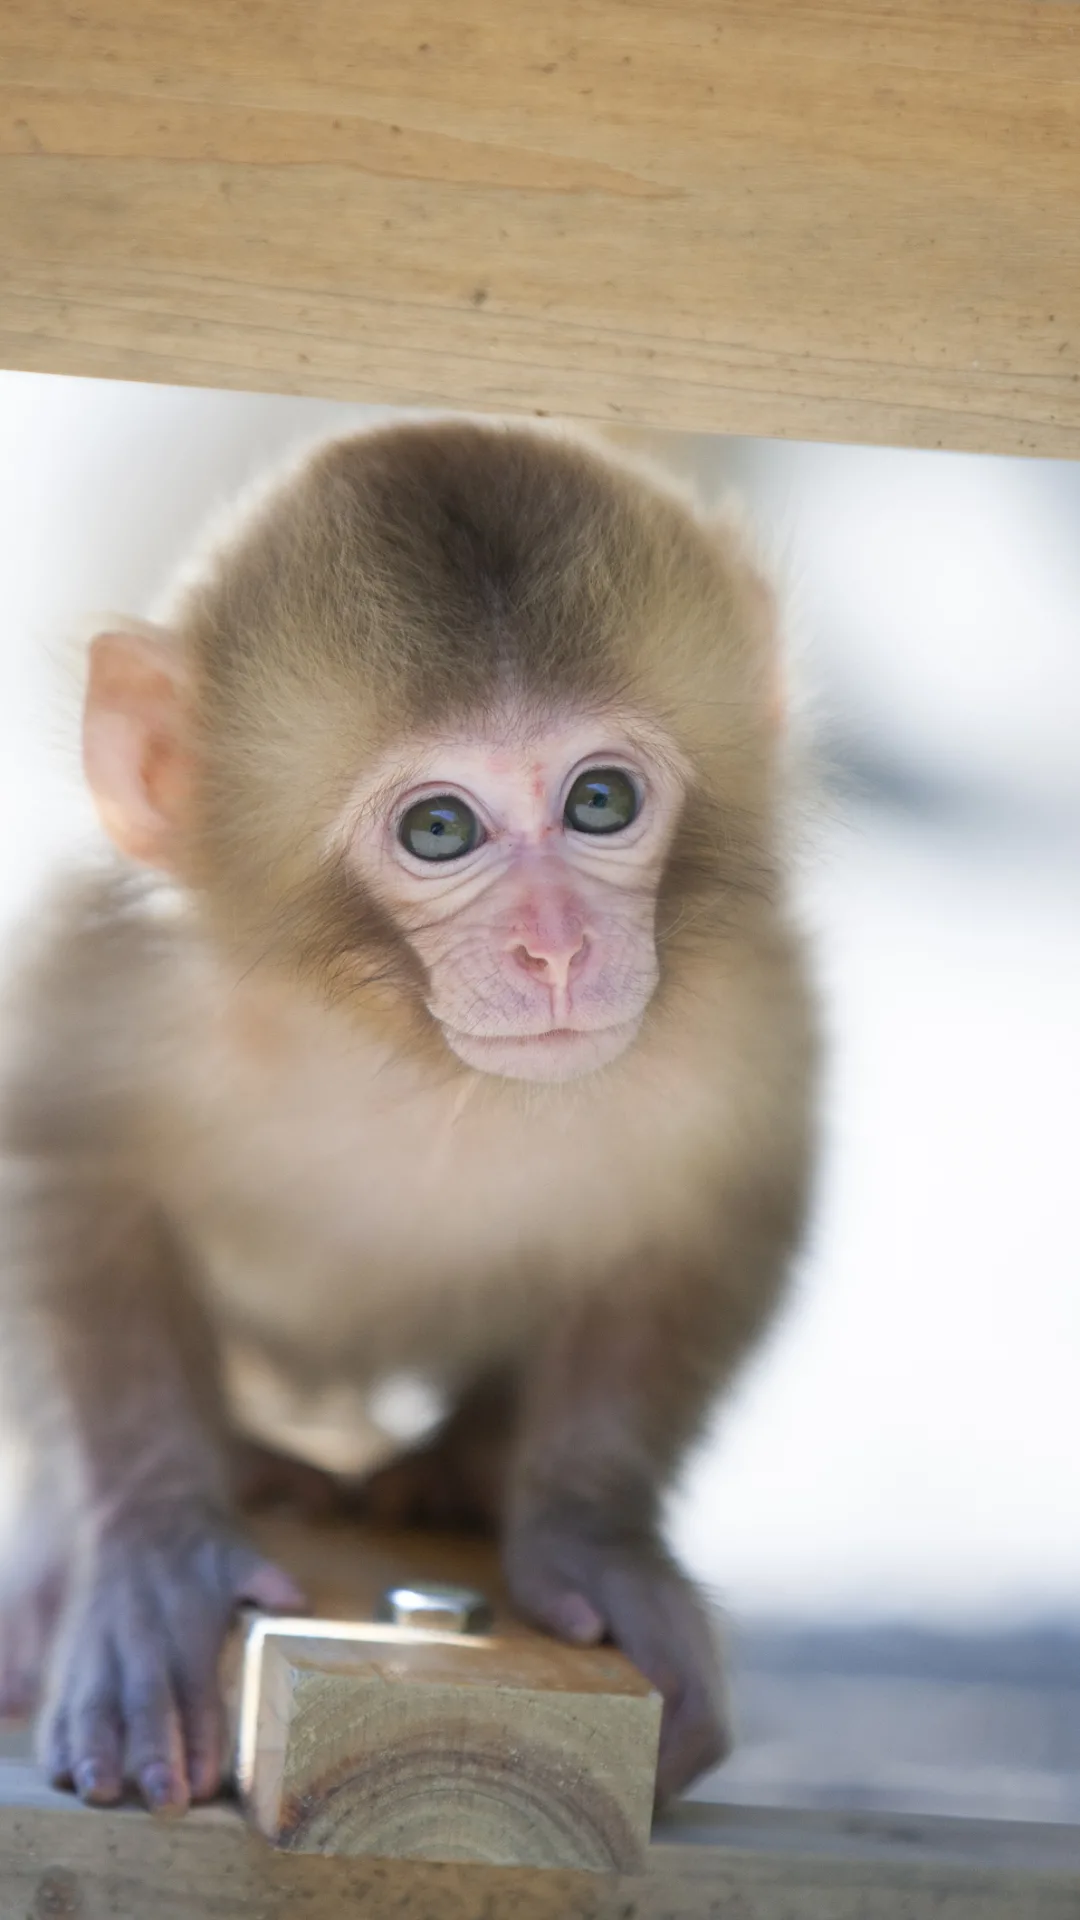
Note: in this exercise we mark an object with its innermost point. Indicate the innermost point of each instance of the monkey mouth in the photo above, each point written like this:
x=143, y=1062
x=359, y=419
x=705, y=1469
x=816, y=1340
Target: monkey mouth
x=559, y=1053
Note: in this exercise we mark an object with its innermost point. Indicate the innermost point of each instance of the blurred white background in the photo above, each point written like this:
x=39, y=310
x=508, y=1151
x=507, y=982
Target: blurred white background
x=909, y=1443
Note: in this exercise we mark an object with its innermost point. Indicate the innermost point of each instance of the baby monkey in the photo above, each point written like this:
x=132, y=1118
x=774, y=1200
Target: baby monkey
x=440, y=1013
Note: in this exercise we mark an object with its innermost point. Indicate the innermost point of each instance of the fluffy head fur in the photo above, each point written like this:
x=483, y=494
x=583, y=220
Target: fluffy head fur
x=411, y=579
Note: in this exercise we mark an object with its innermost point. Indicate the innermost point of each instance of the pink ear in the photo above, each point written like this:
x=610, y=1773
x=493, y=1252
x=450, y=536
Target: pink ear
x=134, y=754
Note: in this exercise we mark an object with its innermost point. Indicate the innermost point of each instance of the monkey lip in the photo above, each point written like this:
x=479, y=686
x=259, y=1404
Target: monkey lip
x=559, y=1053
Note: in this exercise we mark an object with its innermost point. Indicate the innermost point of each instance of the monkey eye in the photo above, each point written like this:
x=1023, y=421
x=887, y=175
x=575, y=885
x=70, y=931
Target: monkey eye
x=442, y=828
x=603, y=801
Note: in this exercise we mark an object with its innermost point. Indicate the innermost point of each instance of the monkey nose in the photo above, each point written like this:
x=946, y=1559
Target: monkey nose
x=550, y=961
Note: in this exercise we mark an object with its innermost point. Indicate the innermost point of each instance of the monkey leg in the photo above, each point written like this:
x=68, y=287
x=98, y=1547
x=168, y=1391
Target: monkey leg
x=614, y=1396
x=456, y=1477
x=263, y=1477
x=96, y=1284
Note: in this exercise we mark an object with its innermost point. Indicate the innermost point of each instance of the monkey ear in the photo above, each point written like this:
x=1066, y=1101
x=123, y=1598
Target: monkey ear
x=135, y=755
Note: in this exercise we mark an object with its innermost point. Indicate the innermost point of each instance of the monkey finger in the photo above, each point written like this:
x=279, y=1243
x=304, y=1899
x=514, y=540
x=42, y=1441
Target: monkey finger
x=661, y=1625
x=256, y=1582
x=85, y=1748
x=154, y=1753
x=571, y=1616
x=53, y=1748
x=693, y=1740
x=203, y=1722
x=548, y=1593
x=195, y=1693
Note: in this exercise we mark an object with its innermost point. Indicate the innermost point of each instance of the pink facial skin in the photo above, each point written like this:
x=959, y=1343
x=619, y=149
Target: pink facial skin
x=539, y=944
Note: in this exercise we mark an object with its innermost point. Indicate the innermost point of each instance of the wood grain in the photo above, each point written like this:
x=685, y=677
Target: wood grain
x=59, y=1861
x=841, y=219
x=412, y=1748
x=510, y=1748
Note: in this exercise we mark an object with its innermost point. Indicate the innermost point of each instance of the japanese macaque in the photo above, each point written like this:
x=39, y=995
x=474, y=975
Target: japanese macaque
x=438, y=1013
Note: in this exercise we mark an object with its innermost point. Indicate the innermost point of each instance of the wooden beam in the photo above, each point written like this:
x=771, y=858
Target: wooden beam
x=507, y=1749
x=839, y=219
x=59, y=1861
x=355, y=1737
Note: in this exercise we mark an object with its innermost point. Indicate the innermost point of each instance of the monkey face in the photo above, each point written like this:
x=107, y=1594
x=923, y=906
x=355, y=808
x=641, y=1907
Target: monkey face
x=522, y=867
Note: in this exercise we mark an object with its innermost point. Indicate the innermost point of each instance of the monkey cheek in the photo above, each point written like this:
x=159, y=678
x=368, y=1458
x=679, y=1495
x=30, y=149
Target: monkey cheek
x=563, y=1054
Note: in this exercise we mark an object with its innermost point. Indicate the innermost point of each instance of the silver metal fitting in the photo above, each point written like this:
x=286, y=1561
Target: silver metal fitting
x=430, y=1603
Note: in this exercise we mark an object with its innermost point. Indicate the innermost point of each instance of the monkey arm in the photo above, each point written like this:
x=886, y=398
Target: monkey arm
x=613, y=1401
x=116, y=1389
x=102, y=1291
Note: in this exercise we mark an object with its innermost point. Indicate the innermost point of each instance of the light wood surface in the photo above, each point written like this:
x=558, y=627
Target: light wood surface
x=61, y=1862
x=856, y=220
x=509, y=1748
x=413, y=1749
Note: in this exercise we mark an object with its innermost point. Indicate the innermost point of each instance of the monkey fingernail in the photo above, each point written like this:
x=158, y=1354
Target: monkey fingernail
x=163, y=1792
x=95, y=1782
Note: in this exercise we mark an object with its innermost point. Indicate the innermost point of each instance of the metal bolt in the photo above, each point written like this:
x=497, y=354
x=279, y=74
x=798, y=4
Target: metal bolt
x=430, y=1603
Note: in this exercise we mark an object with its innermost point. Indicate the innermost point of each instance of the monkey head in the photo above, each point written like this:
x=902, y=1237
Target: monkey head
x=468, y=723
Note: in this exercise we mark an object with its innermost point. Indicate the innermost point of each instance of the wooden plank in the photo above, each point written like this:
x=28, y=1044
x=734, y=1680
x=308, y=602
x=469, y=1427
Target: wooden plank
x=62, y=1862
x=414, y=1745
x=507, y=1747
x=840, y=219
x=344, y=1568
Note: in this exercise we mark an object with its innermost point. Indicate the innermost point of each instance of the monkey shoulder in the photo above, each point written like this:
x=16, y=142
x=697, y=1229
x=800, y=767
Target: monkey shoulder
x=90, y=996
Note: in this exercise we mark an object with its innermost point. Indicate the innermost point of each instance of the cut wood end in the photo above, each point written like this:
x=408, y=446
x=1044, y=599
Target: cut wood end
x=358, y=1739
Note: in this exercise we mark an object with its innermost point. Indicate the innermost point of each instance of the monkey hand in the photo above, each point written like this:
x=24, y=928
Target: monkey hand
x=133, y=1688
x=586, y=1589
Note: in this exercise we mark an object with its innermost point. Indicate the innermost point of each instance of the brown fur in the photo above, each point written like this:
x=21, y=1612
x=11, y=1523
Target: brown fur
x=226, y=1108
